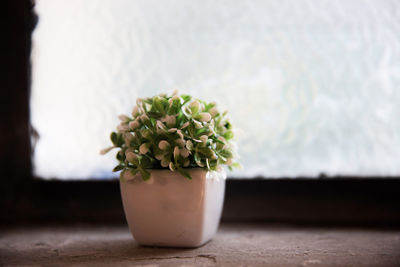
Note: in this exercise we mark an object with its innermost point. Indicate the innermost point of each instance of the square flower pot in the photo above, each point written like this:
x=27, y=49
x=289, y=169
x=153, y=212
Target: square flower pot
x=173, y=211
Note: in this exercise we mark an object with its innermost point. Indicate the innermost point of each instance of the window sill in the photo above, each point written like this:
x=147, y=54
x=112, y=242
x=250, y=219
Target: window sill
x=234, y=245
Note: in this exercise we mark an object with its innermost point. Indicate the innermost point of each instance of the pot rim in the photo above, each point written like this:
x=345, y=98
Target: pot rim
x=220, y=174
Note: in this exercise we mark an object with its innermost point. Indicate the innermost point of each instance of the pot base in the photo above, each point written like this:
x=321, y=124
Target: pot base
x=173, y=211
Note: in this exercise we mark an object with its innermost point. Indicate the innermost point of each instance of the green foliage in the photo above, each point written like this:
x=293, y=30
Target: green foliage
x=174, y=132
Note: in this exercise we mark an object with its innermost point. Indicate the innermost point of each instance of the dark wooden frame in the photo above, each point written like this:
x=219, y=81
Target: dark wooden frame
x=367, y=201
x=23, y=198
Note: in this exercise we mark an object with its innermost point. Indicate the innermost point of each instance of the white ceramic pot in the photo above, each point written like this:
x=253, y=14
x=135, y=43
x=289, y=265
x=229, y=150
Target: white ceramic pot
x=173, y=211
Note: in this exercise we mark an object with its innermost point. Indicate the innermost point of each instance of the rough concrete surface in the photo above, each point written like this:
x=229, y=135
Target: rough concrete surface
x=234, y=245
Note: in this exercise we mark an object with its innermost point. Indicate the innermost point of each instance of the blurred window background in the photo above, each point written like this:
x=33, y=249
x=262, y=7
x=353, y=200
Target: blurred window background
x=312, y=86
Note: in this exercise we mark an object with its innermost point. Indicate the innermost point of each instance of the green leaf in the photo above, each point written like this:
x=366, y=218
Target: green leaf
x=192, y=130
x=226, y=153
x=134, y=171
x=155, y=115
x=208, y=164
x=197, y=159
x=186, y=98
x=201, y=130
x=118, y=168
x=148, y=100
x=180, y=118
x=208, y=106
x=185, y=173
x=218, y=141
x=145, y=174
x=220, y=157
x=228, y=135
x=149, y=124
x=228, y=125
x=175, y=107
x=207, y=152
x=157, y=102
x=120, y=140
x=145, y=162
x=213, y=163
x=120, y=156
x=236, y=165
x=114, y=138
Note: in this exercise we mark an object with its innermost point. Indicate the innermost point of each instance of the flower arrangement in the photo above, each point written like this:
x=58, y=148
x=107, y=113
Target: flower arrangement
x=175, y=132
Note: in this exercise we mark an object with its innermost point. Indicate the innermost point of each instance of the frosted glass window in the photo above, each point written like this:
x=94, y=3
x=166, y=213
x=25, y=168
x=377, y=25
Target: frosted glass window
x=313, y=86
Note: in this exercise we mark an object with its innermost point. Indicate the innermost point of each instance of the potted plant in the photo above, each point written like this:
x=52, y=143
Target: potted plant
x=171, y=152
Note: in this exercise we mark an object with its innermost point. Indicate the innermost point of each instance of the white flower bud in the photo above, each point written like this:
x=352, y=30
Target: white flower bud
x=143, y=149
x=172, y=130
x=165, y=161
x=171, y=166
x=179, y=132
x=186, y=124
x=146, y=133
x=195, y=105
x=229, y=162
x=176, y=152
x=189, y=145
x=159, y=156
x=163, y=145
x=174, y=98
x=133, y=125
x=169, y=119
x=175, y=92
x=186, y=110
x=139, y=101
x=180, y=142
x=106, y=150
x=221, y=138
x=203, y=138
x=211, y=127
x=197, y=124
x=187, y=162
x=130, y=156
x=130, y=149
x=122, y=128
x=184, y=152
x=160, y=125
x=135, y=111
x=141, y=110
x=204, y=116
x=213, y=112
x=128, y=139
x=123, y=118
x=144, y=118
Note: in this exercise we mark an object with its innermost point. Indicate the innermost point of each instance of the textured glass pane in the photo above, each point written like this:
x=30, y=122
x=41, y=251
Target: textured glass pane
x=312, y=86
